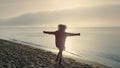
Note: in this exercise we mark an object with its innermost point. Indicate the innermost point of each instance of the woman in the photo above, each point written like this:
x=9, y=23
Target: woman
x=60, y=38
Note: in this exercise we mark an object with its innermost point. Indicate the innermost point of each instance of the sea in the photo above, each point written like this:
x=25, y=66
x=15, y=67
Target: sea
x=97, y=44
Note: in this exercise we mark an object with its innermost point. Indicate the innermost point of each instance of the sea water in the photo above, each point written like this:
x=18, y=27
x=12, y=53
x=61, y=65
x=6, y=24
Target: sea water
x=98, y=44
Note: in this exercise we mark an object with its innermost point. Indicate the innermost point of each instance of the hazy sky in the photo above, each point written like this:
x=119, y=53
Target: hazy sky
x=83, y=13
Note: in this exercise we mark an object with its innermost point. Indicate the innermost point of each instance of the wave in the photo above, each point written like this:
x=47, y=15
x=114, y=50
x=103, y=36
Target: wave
x=112, y=57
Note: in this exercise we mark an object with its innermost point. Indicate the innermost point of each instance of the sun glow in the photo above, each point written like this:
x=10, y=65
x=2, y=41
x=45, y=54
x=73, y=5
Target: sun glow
x=68, y=44
x=66, y=4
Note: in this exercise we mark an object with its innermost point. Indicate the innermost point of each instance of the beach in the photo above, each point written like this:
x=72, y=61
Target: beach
x=16, y=55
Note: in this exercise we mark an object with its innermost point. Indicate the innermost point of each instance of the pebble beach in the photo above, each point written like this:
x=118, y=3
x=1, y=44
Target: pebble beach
x=15, y=55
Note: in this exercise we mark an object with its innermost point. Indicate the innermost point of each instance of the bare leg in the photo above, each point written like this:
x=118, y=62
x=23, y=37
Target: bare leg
x=60, y=57
x=57, y=56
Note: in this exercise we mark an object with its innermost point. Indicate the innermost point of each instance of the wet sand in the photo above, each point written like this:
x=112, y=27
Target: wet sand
x=16, y=55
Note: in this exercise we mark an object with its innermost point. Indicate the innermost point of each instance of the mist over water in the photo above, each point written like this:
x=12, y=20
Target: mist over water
x=95, y=44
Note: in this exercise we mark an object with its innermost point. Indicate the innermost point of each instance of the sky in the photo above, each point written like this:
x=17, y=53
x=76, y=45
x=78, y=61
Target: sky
x=76, y=13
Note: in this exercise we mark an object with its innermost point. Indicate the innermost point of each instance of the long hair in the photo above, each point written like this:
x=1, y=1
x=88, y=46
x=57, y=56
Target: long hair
x=62, y=27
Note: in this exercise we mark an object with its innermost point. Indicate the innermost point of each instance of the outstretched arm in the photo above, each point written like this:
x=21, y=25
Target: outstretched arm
x=48, y=32
x=73, y=34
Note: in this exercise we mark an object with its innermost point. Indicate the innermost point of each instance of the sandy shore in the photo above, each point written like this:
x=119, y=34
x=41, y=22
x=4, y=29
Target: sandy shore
x=14, y=55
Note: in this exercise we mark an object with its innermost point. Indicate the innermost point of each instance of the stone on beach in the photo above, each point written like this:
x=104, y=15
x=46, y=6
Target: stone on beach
x=15, y=55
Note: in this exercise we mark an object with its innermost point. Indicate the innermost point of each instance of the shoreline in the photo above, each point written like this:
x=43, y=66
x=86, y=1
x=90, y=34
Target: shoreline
x=38, y=57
